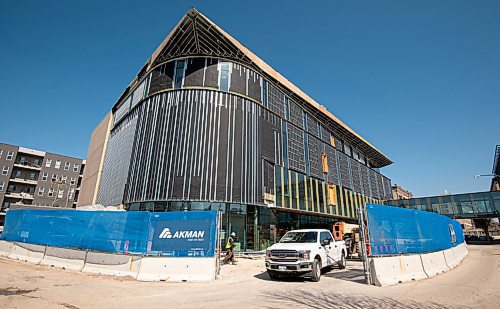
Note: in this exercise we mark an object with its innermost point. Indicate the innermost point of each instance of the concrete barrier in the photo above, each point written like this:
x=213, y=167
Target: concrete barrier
x=64, y=258
x=396, y=269
x=6, y=248
x=177, y=269
x=461, y=251
x=27, y=252
x=112, y=264
x=434, y=263
x=451, y=258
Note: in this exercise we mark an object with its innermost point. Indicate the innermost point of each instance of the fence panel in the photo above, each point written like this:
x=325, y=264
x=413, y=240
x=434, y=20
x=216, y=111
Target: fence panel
x=394, y=230
x=187, y=234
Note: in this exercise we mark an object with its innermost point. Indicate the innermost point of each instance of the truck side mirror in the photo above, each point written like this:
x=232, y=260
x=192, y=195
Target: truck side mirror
x=325, y=242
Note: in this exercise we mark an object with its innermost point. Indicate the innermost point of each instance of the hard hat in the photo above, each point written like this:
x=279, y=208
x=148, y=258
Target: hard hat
x=233, y=234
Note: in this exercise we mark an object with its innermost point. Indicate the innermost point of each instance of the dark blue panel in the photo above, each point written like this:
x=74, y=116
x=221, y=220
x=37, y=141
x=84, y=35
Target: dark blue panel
x=184, y=233
x=396, y=230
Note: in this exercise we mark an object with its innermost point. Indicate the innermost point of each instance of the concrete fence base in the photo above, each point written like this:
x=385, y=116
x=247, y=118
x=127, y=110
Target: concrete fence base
x=64, y=258
x=177, y=269
x=27, y=252
x=405, y=268
x=143, y=268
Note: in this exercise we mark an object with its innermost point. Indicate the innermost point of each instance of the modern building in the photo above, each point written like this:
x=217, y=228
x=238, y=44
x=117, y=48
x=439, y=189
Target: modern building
x=206, y=124
x=33, y=177
x=399, y=193
x=495, y=181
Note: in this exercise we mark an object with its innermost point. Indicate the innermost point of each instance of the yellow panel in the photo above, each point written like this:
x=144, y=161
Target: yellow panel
x=282, y=187
x=324, y=162
x=312, y=196
x=356, y=205
x=349, y=205
x=335, y=199
x=297, y=189
x=290, y=192
x=341, y=192
x=324, y=198
x=306, y=189
x=317, y=196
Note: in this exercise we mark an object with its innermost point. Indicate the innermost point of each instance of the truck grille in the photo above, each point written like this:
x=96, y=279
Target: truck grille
x=284, y=255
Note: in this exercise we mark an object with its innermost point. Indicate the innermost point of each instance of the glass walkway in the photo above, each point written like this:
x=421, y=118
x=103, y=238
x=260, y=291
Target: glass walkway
x=458, y=206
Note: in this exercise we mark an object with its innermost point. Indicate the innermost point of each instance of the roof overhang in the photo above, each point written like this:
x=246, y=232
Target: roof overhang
x=195, y=34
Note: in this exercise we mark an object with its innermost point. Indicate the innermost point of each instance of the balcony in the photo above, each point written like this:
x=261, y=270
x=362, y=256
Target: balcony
x=24, y=181
x=28, y=166
x=19, y=195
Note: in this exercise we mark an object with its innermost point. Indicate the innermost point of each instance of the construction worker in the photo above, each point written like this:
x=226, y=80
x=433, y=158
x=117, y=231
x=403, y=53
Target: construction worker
x=230, y=249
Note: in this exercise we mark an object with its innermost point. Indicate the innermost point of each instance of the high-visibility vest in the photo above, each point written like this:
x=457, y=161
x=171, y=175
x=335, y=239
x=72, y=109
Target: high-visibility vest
x=229, y=243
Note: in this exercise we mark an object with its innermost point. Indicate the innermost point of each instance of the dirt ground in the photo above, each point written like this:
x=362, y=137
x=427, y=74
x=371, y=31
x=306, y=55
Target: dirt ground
x=473, y=284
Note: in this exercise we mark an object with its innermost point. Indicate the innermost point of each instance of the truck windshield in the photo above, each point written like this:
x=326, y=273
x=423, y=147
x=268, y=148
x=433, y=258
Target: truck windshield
x=300, y=237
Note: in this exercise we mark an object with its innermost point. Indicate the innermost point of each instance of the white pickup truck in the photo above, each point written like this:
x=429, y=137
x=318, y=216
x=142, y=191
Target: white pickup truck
x=304, y=252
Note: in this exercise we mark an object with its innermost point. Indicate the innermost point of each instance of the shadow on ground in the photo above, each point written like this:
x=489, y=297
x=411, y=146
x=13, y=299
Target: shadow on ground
x=483, y=242
x=336, y=300
x=264, y=276
x=353, y=275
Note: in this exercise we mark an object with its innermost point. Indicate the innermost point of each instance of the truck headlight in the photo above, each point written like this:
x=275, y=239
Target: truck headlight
x=304, y=254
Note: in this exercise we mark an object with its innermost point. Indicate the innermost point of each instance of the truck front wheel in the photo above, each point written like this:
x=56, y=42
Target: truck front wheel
x=316, y=270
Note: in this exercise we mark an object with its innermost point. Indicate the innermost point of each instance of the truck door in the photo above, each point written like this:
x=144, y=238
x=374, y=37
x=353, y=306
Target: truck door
x=328, y=252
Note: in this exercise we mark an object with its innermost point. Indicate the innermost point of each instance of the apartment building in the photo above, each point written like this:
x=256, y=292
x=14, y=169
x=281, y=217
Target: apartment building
x=34, y=177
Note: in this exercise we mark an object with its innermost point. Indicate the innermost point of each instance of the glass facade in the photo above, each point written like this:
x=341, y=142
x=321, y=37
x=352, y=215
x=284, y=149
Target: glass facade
x=469, y=205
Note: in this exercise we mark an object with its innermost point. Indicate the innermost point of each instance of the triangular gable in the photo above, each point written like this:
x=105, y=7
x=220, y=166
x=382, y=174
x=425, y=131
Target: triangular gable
x=195, y=34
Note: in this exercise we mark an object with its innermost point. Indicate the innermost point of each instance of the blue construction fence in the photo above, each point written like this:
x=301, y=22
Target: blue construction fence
x=176, y=234
x=394, y=230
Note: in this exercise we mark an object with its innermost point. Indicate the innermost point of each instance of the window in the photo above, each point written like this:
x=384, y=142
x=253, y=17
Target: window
x=41, y=190
x=76, y=167
x=326, y=235
x=18, y=174
x=45, y=175
x=10, y=155
x=67, y=165
x=1, y=152
x=32, y=176
x=60, y=194
x=64, y=179
x=71, y=192
x=50, y=193
x=12, y=188
x=22, y=160
x=224, y=76
x=36, y=162
x=2, y=184
x=73, y=180
x=179, y=73
x=5, y=171
x=58, y=164
x=54, y=177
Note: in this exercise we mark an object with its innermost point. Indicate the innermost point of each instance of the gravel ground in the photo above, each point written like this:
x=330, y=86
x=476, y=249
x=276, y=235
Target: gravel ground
x=474, y=283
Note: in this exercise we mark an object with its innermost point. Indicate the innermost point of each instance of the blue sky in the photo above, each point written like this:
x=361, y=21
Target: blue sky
x=420, y=80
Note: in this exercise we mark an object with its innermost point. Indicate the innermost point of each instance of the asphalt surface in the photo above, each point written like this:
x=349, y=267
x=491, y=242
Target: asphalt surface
x=473, y=284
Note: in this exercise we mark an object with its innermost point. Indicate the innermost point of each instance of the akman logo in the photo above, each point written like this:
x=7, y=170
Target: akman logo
x=181, y=234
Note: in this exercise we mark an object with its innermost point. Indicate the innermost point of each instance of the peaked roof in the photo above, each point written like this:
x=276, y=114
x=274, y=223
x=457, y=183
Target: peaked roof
x=195, y=34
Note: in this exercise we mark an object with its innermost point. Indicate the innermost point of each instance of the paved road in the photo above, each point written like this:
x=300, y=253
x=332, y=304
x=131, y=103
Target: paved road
x=472, y=284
